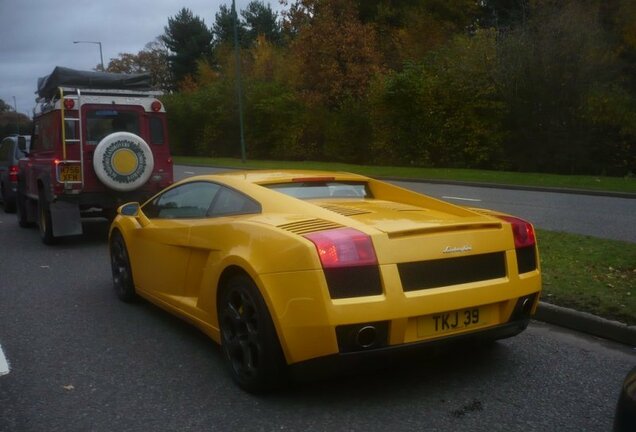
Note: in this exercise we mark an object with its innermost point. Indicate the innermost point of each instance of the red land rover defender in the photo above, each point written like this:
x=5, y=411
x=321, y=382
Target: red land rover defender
x=99, y=140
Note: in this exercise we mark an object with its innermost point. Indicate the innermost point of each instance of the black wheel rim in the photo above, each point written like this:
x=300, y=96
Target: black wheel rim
x=119, y=264
x=242, y=344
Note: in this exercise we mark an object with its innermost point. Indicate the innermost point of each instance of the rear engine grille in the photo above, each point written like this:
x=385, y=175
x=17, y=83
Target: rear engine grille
x=309, y=226
x=345, y=211
x=452, y=271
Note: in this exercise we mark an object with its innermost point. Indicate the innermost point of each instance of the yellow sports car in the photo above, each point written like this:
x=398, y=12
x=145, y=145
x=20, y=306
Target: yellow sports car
x=298, y=267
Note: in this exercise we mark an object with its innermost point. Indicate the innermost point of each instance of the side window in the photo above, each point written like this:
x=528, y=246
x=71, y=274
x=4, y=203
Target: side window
x=35, y=138
x=47, y=133
x=189, y=201
x=4, y=150
x=156, y=130
x=231, y=202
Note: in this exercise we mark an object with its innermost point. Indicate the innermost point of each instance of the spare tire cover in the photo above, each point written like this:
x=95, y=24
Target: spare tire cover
x=123, y=161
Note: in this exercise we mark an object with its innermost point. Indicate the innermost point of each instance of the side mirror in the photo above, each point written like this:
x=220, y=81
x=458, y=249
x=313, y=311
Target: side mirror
x=130, y=209
x=22, y=144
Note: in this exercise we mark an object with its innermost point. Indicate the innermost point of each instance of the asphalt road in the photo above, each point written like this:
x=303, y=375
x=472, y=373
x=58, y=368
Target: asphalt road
x=598, y=216
x=80, y=360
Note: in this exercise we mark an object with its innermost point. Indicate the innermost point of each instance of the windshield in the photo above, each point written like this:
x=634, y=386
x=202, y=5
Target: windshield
x=331, y=189
x=103, y=122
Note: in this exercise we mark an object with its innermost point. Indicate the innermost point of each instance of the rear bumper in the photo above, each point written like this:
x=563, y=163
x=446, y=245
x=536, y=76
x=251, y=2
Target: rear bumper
x=354, y=361
x=311, y=325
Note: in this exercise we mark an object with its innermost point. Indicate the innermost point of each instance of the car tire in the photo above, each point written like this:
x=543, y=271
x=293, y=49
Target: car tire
x=121, y=269
x=249, y=343
x=21, y=212
x=44, y=220
x=123, y=161
x=9, y=204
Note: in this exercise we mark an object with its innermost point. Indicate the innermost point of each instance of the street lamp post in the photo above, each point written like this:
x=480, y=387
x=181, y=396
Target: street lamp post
x=17, y=117
x=101, y=57
x=239, y=90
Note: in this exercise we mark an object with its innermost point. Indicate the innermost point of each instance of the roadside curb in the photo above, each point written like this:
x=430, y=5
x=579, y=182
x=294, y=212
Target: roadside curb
x=587, y=323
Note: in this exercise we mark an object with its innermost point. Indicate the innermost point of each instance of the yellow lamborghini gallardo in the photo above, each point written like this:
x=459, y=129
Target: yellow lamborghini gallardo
x=297, y=267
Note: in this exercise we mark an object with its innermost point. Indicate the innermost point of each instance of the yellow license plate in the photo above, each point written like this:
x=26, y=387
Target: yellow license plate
x=453, y=321
x=70, y=173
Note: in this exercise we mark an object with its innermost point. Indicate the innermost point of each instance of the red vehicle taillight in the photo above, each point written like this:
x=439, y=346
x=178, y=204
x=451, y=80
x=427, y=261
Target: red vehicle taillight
x=343, y=247
x=522, y=231
x=69, y=104
x=13, y=173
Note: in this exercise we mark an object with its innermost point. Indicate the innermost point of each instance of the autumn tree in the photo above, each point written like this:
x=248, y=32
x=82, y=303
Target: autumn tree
x=335, y=55
x=153, y=59
x=409, y=29
x=187, y=39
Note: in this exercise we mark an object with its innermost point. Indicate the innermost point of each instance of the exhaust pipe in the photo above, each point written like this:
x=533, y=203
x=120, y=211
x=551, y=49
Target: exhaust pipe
x=366, y=336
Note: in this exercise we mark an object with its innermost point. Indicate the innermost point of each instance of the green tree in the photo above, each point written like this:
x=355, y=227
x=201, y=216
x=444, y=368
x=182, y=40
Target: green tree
x=444, y=111
x=5, y=107
x=188, y=40
x=223, y=28
x=547, y=68
x=260, y=20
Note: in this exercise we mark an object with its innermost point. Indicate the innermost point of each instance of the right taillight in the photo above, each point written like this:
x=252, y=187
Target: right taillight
x=13, y=173
x=525, y=242
x=522, y=230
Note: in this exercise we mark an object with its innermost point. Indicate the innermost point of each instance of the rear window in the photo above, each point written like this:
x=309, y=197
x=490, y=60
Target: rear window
x=329, y=189
x=156, y=130
x=103, y=122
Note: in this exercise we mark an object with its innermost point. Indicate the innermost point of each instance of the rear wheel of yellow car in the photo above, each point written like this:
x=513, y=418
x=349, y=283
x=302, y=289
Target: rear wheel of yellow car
x=122, y=272
x=249, y=342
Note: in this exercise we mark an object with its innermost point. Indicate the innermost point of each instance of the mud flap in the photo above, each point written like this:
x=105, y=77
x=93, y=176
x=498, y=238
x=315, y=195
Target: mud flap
x=65, y=218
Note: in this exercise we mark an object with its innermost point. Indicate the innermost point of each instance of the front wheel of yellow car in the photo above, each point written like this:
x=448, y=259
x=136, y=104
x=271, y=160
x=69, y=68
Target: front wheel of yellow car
x=249, y=342
x=120, y=265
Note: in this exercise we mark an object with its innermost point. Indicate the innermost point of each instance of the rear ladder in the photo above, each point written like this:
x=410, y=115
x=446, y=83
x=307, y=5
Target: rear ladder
x=67, y=170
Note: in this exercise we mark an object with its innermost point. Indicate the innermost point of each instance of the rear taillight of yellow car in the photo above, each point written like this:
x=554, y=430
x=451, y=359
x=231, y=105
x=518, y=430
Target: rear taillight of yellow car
x=349, y=262
x=525, y=243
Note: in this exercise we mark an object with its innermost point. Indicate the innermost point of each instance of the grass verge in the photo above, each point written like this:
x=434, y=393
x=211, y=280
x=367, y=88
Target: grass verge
x=597, y=183
x=589, y=274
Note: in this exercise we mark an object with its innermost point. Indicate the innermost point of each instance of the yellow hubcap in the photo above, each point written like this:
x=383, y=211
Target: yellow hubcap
x=124, y=162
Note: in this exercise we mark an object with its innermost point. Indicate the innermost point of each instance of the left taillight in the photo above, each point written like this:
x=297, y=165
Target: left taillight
x=343, y=247
x=522, y=231
x=13, y=173
x=349, y=262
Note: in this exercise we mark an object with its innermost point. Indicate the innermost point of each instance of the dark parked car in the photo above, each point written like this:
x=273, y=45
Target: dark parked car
x=12, y=149
x=625, y=420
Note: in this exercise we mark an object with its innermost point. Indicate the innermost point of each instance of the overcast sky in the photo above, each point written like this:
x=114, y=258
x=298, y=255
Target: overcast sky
x=37, y=35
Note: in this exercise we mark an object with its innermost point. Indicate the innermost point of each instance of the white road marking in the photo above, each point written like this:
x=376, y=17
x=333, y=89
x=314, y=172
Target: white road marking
x=189, y=172
x=462, y=199
x=4, y=365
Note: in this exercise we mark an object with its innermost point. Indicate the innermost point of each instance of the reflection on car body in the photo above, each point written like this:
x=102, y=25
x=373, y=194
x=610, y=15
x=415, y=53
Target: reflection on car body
x=301, y=267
